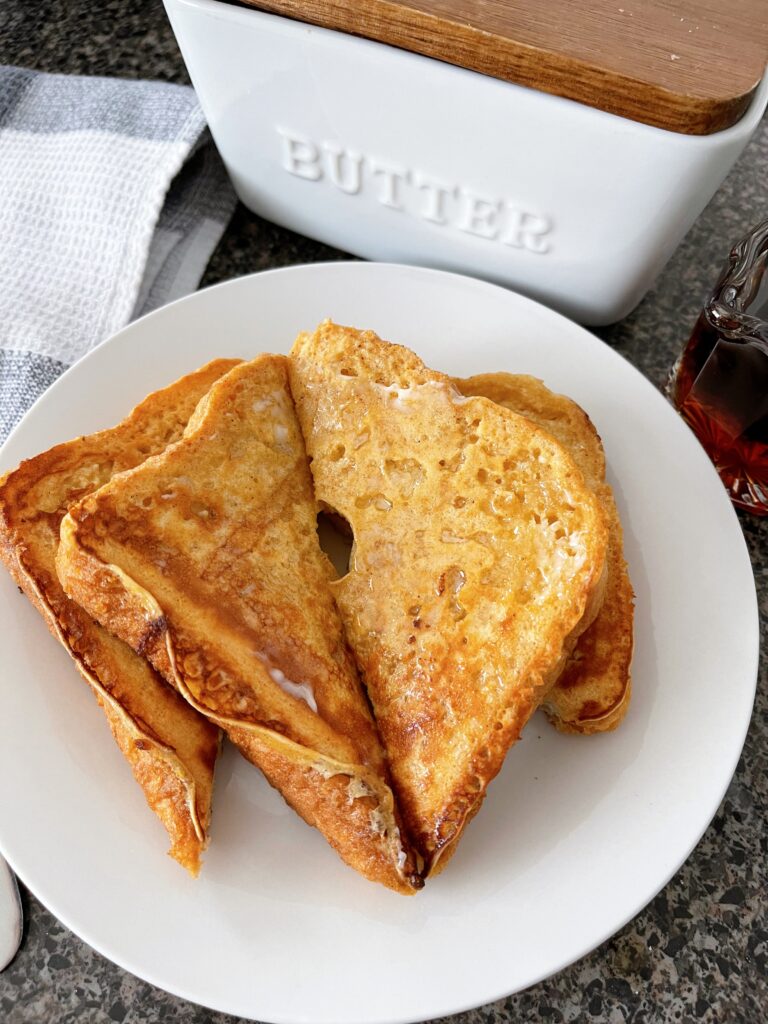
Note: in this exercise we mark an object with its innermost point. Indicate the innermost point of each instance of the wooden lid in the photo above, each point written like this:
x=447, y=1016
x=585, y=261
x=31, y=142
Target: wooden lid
x=689, y=66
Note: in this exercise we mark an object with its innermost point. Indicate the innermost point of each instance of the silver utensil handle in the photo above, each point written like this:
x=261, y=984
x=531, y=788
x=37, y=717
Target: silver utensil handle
x=10, y=915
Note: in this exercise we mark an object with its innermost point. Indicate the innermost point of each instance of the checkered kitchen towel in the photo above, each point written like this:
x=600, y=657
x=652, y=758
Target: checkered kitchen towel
x=112, y=199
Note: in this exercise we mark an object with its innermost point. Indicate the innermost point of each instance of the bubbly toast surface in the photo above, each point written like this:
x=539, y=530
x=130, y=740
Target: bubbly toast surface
x=592, y=694
x=170, y=748
x=206, y=560
x=478, y=558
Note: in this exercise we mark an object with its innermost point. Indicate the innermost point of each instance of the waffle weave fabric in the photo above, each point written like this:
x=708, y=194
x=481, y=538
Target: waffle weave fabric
x=114, y=199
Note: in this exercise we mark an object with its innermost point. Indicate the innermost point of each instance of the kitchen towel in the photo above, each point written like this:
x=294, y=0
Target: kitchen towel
x=112, y=200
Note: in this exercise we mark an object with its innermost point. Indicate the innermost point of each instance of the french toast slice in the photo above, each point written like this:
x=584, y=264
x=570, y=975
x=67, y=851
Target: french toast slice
x=206, y=560
x=478, y=558
x=171, y=749
x=593, y=692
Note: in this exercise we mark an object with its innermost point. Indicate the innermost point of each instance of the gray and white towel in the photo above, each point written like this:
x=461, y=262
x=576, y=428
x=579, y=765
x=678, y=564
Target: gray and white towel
x=112, y=200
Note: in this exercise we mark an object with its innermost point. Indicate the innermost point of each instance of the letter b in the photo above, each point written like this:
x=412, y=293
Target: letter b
x=300, y=156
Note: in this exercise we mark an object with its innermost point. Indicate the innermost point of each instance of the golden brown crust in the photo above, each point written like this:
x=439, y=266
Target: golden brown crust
x=206, y=559
x=478, y=559
x=592, y=694
x=594, y=690
x=559, y=415
x=170, y=748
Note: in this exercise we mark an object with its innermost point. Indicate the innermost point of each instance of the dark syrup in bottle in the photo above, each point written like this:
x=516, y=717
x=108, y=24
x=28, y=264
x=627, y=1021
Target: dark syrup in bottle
x=720, y=383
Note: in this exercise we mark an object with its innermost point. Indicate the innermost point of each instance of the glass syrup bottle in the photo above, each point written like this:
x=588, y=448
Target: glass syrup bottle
x=720, y=382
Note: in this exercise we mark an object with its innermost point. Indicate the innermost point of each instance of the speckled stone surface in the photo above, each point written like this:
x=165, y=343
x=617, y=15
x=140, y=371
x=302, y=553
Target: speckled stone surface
x=699, y=951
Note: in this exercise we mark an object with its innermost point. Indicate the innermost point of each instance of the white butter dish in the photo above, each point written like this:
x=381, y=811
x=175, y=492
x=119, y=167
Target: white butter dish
x=392, y=155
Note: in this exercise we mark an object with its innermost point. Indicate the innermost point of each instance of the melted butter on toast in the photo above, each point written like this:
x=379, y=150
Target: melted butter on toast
x=478, y=559
x=593, y=692
x=222, y=584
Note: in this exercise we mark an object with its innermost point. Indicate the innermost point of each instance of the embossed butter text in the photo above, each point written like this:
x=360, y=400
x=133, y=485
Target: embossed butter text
x=415, y=193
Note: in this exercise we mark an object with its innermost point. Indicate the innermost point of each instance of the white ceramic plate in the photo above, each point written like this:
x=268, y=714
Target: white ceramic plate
x=576, y=834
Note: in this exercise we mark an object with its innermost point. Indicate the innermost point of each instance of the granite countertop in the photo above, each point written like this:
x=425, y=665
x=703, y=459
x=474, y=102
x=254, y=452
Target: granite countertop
x=699, y=951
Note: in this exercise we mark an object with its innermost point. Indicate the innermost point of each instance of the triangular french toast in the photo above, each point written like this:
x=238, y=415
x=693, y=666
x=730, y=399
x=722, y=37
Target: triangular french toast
x=171, y=749
x=593, y=692
x=478, y=559
x=206, y=559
